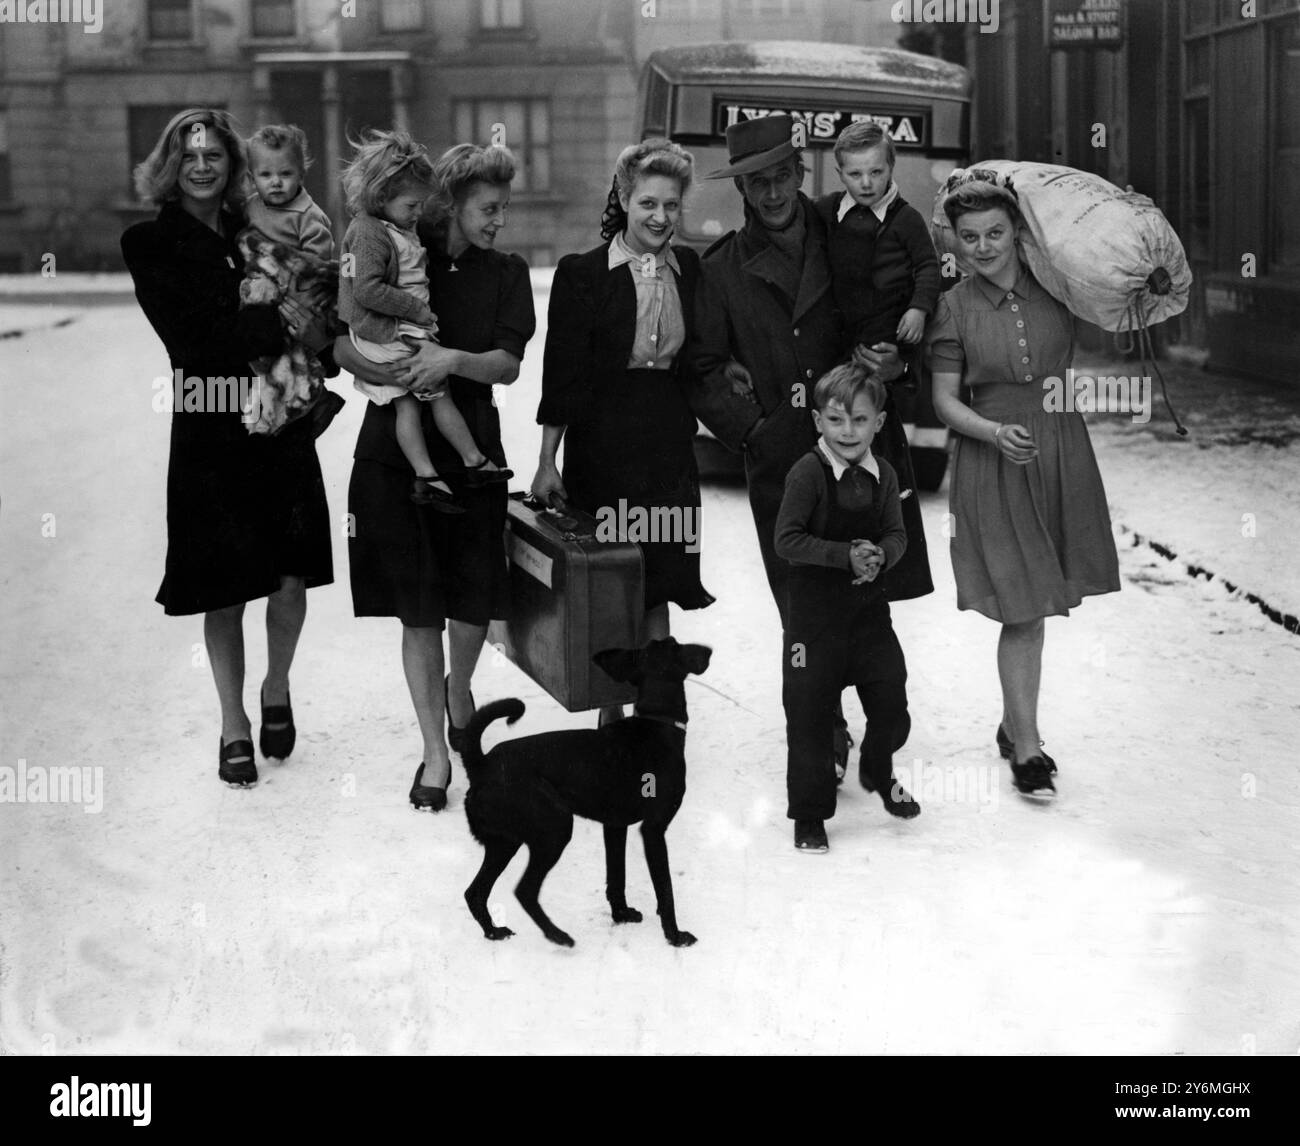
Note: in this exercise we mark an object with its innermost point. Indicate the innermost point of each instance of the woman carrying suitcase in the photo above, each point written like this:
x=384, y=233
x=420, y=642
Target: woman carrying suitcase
x=614, y=380
x=428, y=569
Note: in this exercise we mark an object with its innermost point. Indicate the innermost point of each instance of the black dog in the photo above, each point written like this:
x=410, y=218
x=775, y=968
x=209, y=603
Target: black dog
x=527, y=791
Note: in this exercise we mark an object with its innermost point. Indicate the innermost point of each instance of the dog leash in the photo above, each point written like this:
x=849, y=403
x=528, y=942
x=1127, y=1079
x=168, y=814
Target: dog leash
x=704, y=684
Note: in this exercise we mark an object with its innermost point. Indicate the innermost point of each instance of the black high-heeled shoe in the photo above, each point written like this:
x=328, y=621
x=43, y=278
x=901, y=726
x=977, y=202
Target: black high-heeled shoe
x=235, y=763
x=427, y=797
x=455, y=736
x=277, y=742
x=1007, y=750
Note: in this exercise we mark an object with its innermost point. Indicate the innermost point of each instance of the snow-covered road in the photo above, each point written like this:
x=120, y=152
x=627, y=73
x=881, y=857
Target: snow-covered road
x=1155, y=908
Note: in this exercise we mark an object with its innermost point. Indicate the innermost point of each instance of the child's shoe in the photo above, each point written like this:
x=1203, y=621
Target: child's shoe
x=897, y=800
x=476, y=477
x=810, y=836
x=424, y=491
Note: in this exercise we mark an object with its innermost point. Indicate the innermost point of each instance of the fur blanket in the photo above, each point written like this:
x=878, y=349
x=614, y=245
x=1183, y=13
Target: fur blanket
x=289, y=385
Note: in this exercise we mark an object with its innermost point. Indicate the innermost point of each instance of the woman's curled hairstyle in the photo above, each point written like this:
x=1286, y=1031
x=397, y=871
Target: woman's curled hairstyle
x=155, y=178
x=978, y=195
x=458, y=168
x=649, y=157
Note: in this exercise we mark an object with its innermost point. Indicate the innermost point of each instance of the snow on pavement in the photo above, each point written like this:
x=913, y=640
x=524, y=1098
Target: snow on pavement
x=1152, y=909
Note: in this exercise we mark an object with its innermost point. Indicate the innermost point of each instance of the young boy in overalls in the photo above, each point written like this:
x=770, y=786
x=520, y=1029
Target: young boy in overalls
x=841, y=524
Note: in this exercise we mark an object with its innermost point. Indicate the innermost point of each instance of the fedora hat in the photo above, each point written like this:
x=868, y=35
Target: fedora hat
x=753, y=144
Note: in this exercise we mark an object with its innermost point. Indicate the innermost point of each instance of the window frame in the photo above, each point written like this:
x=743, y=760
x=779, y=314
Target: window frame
x=191, y=33
x=526, y=152
x=262, y=37
x=421, y=23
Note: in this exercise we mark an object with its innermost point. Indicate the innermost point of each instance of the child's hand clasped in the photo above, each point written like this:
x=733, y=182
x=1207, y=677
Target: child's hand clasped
x=866, y=560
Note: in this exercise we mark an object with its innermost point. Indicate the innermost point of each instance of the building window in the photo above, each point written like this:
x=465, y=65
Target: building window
x=273, y=20
x=1285, y=192
x=525, y=125
x=401, y=16
x=1196, y=148
x=144, y=125
x=6, y=186
x=684, y=9
x=171, y=20
x=767, y=9
x=1198, y=65
x=501, y=15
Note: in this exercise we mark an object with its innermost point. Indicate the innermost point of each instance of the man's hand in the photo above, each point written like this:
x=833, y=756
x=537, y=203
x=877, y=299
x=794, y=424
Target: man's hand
x=911, y=326
x=742, y=385
x=881, y=360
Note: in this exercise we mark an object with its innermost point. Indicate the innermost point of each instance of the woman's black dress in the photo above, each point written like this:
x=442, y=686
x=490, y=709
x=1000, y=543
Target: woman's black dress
x=629, y=442
x=409, y=561
x=242, y=510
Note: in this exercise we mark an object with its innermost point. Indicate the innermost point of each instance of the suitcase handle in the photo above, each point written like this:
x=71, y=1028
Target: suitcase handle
x=561, y=516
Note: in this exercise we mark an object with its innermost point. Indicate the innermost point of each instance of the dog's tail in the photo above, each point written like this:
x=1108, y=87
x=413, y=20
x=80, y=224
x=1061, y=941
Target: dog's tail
x=472, y=753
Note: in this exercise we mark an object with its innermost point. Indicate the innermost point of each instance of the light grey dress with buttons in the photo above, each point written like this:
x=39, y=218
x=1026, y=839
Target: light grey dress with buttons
x=1034, y=540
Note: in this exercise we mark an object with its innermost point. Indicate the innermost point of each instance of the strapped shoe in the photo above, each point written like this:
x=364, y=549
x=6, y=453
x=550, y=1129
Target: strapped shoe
x=424, y=492
x=477, y=477
x=277, y=742
x=1007, y=750
x=426, y=797
x=235, y=763
x=1033, y=777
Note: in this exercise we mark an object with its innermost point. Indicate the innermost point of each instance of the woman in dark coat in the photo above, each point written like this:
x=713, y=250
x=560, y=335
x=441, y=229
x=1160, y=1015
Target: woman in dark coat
x=615, y=382
x=433, y=570
x=246, y=515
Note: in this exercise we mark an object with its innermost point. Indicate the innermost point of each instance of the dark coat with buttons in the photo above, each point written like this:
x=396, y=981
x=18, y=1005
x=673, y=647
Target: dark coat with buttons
x=786, y=343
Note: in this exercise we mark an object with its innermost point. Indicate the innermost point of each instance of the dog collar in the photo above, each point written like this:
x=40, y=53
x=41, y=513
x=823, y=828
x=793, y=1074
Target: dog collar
x=680, y=724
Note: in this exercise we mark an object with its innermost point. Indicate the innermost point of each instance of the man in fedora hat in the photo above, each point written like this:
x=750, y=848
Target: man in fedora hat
x=766, y=324
x=767, y=329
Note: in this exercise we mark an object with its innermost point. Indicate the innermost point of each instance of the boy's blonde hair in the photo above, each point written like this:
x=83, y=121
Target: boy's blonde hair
x=844, y=383
x=283, y=137
x=385, y=164
x=860, y=136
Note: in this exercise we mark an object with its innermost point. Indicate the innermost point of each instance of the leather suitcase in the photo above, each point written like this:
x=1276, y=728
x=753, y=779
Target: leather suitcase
x=571, y=596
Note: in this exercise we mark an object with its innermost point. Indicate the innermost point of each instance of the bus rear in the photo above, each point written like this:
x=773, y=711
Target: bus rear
x=692, y=94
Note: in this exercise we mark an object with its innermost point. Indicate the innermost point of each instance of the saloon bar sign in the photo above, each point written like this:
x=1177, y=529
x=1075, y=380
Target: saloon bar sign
x=822, y=124
x=1083, y=23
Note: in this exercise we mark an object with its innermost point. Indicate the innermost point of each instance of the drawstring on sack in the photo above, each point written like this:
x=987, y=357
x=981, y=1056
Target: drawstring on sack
x=1136, y=332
